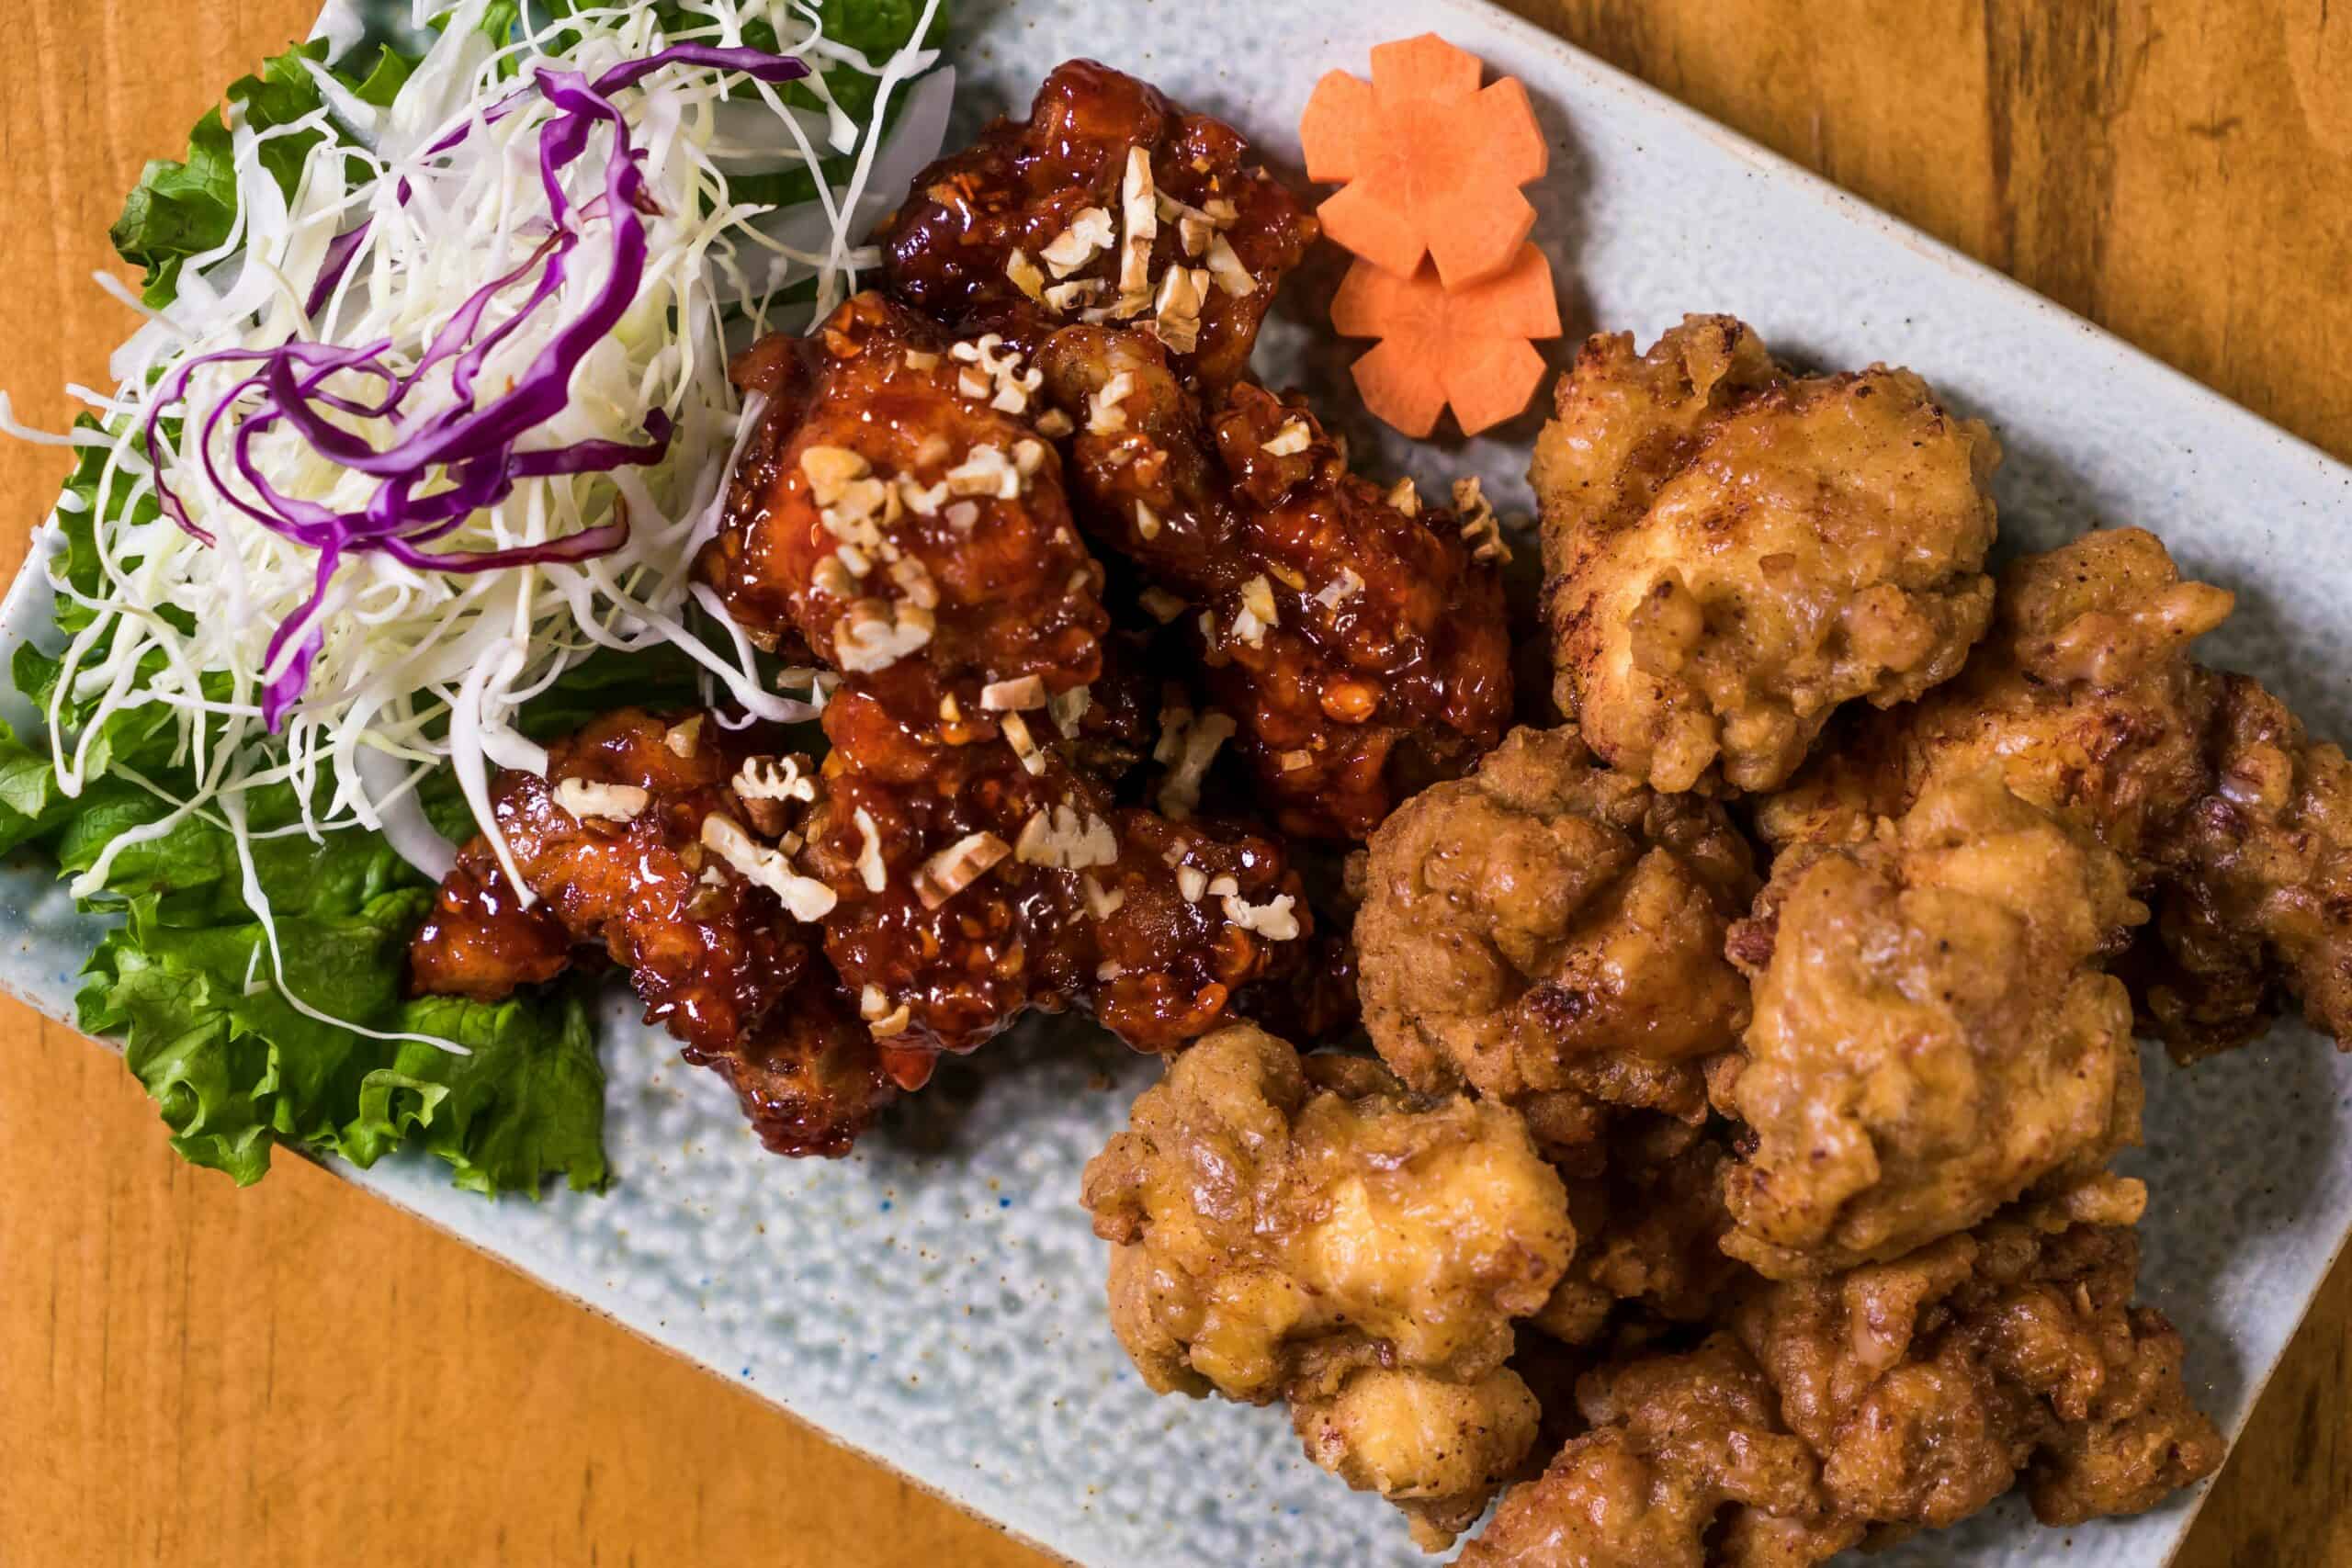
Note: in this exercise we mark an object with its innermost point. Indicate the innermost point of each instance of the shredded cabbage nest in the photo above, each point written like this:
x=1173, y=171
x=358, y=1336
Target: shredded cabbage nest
x=421, y=669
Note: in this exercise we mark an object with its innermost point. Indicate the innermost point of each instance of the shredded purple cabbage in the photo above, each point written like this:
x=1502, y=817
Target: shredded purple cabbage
x=466, y=451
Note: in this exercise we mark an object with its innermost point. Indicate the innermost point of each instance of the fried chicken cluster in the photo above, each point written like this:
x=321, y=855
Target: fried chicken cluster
x=1311, y=1230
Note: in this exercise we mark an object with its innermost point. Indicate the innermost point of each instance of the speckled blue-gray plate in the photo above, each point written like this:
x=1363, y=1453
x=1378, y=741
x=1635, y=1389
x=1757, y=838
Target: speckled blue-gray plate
x=934, y=1301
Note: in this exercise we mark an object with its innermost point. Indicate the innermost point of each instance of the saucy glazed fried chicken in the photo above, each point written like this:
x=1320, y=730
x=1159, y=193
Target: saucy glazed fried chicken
x=1107, y=204
x=1733, y=550
x=2237, y=826
x=1551, y=931
x=894, y=512
x=1933, y=1033
x=1305, y=1229
x=1355, y=637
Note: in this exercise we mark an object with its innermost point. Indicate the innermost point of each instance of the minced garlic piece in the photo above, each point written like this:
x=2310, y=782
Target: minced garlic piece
x=1292, y=761
x=1088, y=235
x=1405, y=498
x=832, y=470
x=915, y=582
x=1340, y=588
x=1226, y=267
x=1258, y=614
x=805, y=898
x=1024, y=744
x=985, y=471
x=1063, y=840
x=958, y=866
x=1221, y=210
x=1008, y=697
x=1067, y=709
x=1273, y=920
x=1099, y=904
x=1292, y=438
x=869, y=852
x=1194, y=234
x=923, y=500
x=684, y=737
x=1193, y=883
x=893, y=1022
x=766, y=778
x=1176, y=310
x=872, y=1004
x=1141, y=214
x=1064, y=298
x=1147, y=520
x=1055, y=424
x=613, y=802
x=1103, y=415
x=921, y=359
x=874, y=634
x=1188, y=745
x=1160, y=605
x=1481, y=529
x=1109, y=970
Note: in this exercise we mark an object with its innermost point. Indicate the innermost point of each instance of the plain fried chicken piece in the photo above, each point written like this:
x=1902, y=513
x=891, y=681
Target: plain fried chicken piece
x=1927, y=1385
x=1355, y=636
x=1108, y=203
x=1307, y=1229
x=810, y=1075
x=984, y=875
x=1687, y=1465
x=1733, y=550
x=616, y=843
x=1646, y=1200
x=896, y=513
x=1551, y=932
x=1933, y=1034
x=2085, y=698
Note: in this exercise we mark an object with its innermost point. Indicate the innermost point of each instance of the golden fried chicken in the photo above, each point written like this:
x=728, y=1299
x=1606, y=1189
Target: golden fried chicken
x=1355, y=637
x=2237, y=826
x=1933, y=1033
x=1928, y=1384
x=1733, y=550
x=982, y=874
x=1646, y=1200
x=652, y=839
x=897, y=513
x=1686, y=1465
x=1107, y=204
x=1305, y=1229
x=1551, y=931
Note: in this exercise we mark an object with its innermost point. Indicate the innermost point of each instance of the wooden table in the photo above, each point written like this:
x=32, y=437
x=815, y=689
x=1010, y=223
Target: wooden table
x=194, y=1375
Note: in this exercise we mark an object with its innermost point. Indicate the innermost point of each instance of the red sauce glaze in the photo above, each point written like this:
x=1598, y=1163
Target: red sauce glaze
x=1004, y=582
x=946, y=250
x=809, y=1077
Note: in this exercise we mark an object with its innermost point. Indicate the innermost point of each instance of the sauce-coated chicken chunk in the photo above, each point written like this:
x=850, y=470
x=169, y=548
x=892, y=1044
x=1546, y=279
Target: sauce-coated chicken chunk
x=1305, y=1229
x=1734, y=550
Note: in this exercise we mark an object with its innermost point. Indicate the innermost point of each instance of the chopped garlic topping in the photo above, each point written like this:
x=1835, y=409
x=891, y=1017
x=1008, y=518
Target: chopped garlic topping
x=1292, y=761
x=1221, y=210
x=1273, y=920
x=893, y=1022
x=1147, y=520
x=1188, y=745
x=1194, y=234
x=922, y=500
x=805, y=898
x=1099, y=904
x=1008, y=697
x=1064, y=298
x=921, y=359
x=869, y=852
x=1160, y=605
x=1340, y=588
x=1258, y=614
x=1141, y=215
x=684, y=737
x=958, y=866
x=872, y=1004
x=1025, y=275
x=1292, y=438
x=1065, y=840
x=1088, y=235
x=1193, y=883
x=914, y=582
x=767, y=778
x=962, y=515
x=613, y=802
x=874, y=634
x=1103, y=415
x=1481, y=529
x=1405, y=498
x=1055, y=424
x=1176, y=309
x=1109, y=970
x=832, y=470
x=1067, y=709
x=1024, y=744
x=1226, y=267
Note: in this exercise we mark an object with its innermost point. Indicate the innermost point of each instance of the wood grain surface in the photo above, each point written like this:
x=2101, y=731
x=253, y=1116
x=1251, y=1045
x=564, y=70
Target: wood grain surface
x=194, y=1375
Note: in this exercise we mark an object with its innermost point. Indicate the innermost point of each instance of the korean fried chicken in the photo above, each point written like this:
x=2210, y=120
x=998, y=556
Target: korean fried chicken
x=1933, y=1033
x=1646, y=1196
x=2236, y=826
x=1109, y=203
x=1733, y=550
x=895, y=513
x=1307, y=1230
x=1856, y=1409
x=1550, y=933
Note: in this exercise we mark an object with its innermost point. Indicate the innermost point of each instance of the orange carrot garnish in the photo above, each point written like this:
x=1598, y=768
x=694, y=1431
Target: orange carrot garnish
x=1467, y=347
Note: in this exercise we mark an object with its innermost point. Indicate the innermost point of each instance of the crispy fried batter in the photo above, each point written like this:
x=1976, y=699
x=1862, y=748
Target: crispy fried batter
x=2085, y=696
x=709, y=951
x=809, y=1077
x=1038, y=219
x=890, y=512
x=1308, y=1229
x=1733, y=550
x=1549, y=929
x=1646, y=1200
x=1355, y=635
x=1933, y=1036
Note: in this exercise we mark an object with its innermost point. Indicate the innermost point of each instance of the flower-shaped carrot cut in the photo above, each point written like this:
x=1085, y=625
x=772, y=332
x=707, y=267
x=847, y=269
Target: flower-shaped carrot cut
x=1468, y=347
x=1433, y=163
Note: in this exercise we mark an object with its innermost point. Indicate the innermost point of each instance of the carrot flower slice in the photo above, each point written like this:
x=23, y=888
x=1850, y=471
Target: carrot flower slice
x=1468, y=348
x=1432, y=162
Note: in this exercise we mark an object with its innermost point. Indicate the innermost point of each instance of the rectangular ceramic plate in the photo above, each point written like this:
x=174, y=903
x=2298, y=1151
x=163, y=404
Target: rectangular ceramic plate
x=936, y=1300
